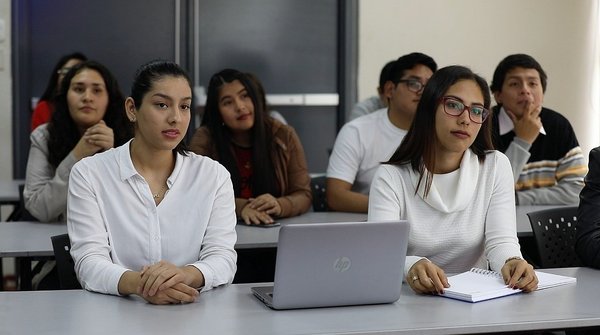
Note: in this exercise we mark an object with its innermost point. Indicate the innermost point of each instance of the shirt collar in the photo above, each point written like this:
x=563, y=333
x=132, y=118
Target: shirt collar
x=506, y=125
x=127, y=170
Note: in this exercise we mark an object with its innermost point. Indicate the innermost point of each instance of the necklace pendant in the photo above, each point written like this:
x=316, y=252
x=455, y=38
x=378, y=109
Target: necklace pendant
x=162, y=190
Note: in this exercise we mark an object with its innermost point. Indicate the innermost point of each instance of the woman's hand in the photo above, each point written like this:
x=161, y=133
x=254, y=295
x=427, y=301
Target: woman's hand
x=517, y=273
x=266, y=203
x=253, y=216
x=426, y=277
x=96, y=138
x=100, y=135
x=177, y=294
x=164, y=275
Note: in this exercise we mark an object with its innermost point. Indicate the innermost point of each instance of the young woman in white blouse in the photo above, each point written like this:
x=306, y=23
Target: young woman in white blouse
x=148, y=217
x=455, y=191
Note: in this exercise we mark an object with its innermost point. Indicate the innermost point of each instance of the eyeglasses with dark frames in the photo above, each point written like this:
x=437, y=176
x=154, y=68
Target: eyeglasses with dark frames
x=455, y=107
x=414, y=85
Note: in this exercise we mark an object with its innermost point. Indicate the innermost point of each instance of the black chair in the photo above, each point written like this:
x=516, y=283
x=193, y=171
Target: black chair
x=317, y=185
x=64, y=262
x=554, y=231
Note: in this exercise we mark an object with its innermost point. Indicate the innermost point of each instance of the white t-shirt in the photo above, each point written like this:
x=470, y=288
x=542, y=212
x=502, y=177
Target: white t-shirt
x=115, y=226
x=365, y=107
x=473, y=226
x=361, y=146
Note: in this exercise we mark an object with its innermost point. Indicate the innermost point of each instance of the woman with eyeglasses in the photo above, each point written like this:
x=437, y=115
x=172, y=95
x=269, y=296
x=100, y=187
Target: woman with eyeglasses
x=456, y=192
x=264, y=157
x=45, y=106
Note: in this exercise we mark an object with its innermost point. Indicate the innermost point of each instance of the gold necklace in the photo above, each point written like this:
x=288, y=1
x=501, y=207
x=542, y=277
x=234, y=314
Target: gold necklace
x=163, y=190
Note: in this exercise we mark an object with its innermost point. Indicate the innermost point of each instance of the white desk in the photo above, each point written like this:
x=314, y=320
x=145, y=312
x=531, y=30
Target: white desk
x=256, y=237
x=19, y=239
x=33, y=239
x=9, y=190
x=9, y=193
x=26, y=239
x=233, y=310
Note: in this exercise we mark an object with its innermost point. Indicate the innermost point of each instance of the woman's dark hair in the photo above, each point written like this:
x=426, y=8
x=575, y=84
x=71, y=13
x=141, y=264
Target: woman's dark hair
x=52, y=86
x=260, y=91
x=418, y=146
x=144, y=80
x=64, y=133
x=263, y=172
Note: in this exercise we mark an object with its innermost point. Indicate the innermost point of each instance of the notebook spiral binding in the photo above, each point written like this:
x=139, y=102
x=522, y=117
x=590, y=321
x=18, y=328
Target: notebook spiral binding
x=486, y=272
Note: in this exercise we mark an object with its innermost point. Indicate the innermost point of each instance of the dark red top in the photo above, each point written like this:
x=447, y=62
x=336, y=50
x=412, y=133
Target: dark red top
x=244, y=164
x=41, y=114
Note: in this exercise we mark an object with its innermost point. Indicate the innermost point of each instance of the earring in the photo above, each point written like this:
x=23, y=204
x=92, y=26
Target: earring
x=132, y=119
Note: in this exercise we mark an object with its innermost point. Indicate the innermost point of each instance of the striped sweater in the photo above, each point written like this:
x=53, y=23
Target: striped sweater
x=551, y=170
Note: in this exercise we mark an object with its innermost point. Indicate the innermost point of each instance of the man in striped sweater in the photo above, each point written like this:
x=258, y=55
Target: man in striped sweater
x=546, y=159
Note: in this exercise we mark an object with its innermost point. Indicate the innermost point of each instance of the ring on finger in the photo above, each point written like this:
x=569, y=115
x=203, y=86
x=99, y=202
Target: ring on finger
x=415, y=278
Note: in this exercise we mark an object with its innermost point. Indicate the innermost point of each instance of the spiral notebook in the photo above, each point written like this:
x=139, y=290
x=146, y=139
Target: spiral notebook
x=478, y=285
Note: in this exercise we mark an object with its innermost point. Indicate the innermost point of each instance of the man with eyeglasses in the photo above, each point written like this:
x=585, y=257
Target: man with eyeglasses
x=362, y=144
x=547, y=162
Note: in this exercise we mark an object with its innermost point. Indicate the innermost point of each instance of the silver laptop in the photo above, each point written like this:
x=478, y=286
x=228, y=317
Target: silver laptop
x=337, y=264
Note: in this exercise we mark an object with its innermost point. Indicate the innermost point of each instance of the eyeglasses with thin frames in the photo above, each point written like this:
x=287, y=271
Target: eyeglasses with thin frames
x=414, y=85
x=455, y=107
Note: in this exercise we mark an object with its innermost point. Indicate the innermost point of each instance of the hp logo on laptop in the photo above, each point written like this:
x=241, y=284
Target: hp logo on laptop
x=342, y=264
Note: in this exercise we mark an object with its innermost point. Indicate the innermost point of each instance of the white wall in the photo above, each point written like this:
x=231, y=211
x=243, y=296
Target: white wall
x=562, y=35
x=5, y=95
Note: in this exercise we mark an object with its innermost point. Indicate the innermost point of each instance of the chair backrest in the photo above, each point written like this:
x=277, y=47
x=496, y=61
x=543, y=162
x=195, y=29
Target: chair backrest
x=64, y=262
x=554, y=231
x=317, y=185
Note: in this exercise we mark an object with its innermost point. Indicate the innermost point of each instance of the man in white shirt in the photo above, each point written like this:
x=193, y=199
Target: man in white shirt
x=364, y=143
x=375, y=102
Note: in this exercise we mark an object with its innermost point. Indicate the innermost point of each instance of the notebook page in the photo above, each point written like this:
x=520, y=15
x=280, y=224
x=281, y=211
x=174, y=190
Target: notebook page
x=477, y=285
x=548, y=280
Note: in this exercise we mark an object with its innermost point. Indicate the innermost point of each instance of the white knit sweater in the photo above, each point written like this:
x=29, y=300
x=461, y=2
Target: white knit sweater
x=476, y=225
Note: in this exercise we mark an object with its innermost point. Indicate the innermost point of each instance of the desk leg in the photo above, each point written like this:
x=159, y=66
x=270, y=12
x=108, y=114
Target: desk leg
x=24, y=273
x=1, y=274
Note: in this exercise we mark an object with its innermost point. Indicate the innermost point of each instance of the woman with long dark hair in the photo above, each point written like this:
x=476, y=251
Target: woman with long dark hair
x=45, y=106
x=89, y=117
x=456, y=192
x=264, y=157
